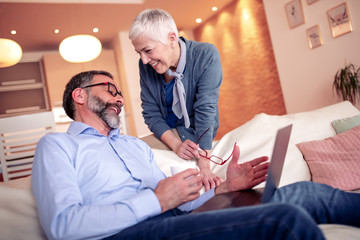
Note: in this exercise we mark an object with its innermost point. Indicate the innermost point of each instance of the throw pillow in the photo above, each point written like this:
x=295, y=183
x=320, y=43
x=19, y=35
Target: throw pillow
x=342, y=125
x=336, y=160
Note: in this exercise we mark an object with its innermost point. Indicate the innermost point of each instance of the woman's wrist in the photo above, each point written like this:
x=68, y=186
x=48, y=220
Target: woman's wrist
x=171, y=140
x=203, y=163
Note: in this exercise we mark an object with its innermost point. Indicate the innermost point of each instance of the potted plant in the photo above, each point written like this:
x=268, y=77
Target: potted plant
x=347, y=83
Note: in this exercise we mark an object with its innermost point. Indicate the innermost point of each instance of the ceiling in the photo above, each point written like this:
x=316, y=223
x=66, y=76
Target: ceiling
x=36, y=20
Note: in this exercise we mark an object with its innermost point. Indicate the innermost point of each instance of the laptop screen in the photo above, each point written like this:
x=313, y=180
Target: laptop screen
x=276, y=162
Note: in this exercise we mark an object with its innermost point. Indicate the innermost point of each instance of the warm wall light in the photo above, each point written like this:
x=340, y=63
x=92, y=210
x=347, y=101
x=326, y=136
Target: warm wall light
x=80, y=48
x=11, y=52
x=198, y=20
x=245, y=14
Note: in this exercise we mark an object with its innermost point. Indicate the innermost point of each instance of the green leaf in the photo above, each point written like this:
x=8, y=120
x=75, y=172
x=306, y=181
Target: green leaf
x=347, y=84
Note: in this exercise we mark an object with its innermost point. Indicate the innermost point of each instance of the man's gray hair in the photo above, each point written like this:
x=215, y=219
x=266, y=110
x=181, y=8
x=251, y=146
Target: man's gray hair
x=155, y=24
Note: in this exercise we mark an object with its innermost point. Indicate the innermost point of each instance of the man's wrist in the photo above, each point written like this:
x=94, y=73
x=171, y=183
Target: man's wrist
x=222, y=188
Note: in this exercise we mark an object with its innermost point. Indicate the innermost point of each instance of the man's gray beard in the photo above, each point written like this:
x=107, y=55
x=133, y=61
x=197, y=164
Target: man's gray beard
x=99, y=107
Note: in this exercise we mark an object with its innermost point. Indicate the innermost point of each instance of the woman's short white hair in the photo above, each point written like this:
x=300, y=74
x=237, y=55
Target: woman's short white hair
x=155, y=24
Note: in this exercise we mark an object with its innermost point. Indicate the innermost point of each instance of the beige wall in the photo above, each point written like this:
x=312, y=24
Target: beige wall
x=131, y=82
x=306, y=75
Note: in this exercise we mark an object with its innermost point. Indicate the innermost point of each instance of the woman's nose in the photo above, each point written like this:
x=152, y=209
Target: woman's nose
x=144, y=58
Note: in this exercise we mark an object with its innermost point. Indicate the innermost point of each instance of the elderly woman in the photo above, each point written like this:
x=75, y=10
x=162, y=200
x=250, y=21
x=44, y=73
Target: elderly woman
x=180, y=82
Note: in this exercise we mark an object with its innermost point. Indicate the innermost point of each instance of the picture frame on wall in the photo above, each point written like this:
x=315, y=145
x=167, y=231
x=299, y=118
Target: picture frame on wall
x=309, y=2
x=294, y=13
x=314, y=36
x=339, y=20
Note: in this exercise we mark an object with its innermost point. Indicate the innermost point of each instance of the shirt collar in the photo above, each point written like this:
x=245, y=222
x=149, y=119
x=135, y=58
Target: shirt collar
x=77, y=128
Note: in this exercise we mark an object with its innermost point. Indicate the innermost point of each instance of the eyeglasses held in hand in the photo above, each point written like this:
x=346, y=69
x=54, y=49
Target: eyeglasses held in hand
x=111, y=88
x=212, y=158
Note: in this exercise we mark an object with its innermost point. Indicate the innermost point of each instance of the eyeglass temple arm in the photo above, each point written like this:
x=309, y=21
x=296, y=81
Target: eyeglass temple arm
x=232, y=153
x=96, y=84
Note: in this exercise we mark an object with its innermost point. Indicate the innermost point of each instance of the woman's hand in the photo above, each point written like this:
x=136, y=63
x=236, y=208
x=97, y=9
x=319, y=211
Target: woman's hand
x=209, y=179
x=187, y=150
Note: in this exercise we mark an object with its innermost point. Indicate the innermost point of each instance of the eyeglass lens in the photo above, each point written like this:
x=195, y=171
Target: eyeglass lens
x=212, y=158
x=113, y=90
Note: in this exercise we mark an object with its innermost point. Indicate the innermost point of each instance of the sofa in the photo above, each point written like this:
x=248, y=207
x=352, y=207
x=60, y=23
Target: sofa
x=322, y=130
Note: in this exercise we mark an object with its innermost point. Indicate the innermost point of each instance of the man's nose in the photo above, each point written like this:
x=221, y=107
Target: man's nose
x=119, y=99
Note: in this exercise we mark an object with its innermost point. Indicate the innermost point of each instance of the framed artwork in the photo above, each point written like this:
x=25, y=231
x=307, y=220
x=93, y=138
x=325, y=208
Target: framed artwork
x=309, y=2
x=314, y=37
x=339, y=20
x=294, y=13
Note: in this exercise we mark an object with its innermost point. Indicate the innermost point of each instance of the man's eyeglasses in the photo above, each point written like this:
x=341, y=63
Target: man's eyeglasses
x=111, y=88
x=212, y=158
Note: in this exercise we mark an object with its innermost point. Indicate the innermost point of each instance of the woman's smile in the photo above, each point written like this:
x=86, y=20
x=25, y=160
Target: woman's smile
x=153, y=64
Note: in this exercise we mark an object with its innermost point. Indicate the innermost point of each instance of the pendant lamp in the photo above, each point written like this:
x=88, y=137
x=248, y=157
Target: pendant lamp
x=80, y=48
x=11, y=52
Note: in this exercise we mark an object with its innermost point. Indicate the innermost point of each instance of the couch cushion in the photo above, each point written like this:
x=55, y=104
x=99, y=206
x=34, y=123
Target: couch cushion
x=342, y=125
x=337, y=231
x=336, y=160
x=18, y=212
x=316, y=124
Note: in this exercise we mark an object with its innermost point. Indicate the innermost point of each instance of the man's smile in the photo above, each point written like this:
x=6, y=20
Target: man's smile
x=115, y=108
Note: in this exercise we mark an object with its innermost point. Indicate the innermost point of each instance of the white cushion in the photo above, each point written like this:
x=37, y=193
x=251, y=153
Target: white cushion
x=337, y=231
x=18, y=212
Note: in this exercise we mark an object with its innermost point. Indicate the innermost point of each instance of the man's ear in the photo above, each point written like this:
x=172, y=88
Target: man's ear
x=173, y=39
x=79, y=95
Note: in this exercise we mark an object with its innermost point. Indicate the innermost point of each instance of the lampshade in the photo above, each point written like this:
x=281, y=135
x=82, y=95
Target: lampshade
x=80, y=48
x=11, y=52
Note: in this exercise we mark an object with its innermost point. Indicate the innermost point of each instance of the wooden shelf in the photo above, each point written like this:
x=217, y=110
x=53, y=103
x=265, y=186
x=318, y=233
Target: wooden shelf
x=23, y=89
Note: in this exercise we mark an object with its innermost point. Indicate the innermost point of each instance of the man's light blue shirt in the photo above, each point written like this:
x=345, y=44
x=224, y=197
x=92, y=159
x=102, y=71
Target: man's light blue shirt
x=88, y=186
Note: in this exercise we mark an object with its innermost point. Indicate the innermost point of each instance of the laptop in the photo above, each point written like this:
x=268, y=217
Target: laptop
x=276, y=162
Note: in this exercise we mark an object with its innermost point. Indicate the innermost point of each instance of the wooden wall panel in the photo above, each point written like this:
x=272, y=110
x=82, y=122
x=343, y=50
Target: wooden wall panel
x=250, y=79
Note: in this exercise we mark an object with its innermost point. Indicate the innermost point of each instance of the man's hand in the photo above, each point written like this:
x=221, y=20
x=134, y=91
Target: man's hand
x=178, y=189
x=243, y=176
